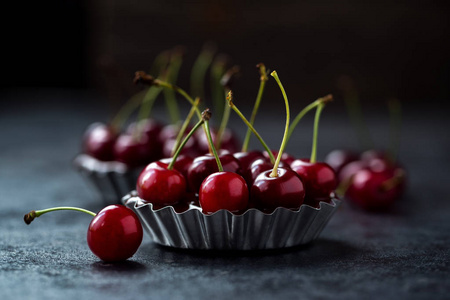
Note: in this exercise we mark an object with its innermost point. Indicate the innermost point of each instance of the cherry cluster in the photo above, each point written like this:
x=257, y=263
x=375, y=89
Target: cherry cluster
x=237, y=181
x=370, y=180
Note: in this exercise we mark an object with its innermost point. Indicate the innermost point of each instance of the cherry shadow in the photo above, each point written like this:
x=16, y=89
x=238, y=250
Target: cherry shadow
x=127, y=266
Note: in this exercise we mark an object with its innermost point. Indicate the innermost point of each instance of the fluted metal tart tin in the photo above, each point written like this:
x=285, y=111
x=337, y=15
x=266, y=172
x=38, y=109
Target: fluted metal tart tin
x=112, y=180
x=223, y=230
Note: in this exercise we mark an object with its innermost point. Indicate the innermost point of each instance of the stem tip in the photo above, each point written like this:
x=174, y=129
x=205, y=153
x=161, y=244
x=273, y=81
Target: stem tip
x=142, y=77
x=29, y=217
x=206, y=114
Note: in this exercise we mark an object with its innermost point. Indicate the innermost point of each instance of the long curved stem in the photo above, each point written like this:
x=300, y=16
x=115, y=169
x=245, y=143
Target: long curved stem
x=316, y=133
x=185, y=125
x=206, y=115
x=286, y=129
x=28, y=218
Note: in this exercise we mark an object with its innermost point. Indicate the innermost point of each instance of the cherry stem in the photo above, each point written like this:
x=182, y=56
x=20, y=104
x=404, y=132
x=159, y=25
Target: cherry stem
x=206, y=115
x=395, y=112
x=305, y=110
x=316, y=133
x=199, y=69
x=286, y=130
x=262, y=84
x=238, y=112
x=171, y=76
x=183, y=143
x=185, y=125
x=28, y=218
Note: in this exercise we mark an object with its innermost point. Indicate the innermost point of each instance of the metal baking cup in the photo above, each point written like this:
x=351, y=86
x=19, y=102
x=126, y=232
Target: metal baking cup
x=112, y=180
x=223, y=230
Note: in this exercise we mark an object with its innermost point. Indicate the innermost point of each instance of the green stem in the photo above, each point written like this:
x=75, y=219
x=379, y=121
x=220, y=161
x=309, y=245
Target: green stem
x=238, y=112
x=263, y=80
x=185, y=125
x=316, y=133
x=183, y=143
x=28, y=218
x=206, y=115
x=286, y=129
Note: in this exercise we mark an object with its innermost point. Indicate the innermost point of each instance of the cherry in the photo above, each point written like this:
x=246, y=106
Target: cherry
x=159, y=185
x=376, y=191
x=221, y=190
x=318, y=178
x=284, y=190
x=151, y=129
x=279, y=187
x=257, y=167
x=98, y=141
x=114, y=234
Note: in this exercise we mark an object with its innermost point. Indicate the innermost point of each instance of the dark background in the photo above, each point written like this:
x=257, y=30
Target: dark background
x=390, y=48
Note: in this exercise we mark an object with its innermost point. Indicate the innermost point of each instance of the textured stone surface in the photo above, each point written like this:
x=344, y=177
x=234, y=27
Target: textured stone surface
x=398, y=255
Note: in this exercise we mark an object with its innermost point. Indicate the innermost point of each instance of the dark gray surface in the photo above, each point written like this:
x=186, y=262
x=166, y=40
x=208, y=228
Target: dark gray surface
x=399, y=255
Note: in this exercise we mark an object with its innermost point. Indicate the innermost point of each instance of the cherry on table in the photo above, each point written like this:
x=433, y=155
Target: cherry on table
x=376, y=191
x=113, y=235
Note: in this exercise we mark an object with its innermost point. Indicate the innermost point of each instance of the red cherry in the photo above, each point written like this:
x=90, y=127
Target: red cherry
x=285, y=190
x=223, y=190
x=115, y=233
x=350, y=169
x=98, y=141
x=205, y=165
x=159, y=185
x=151, y=129
x=369, y=189
x=319, y=180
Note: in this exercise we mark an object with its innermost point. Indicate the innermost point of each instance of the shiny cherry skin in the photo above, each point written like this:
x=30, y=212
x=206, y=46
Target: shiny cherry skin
x=247, y=158
x=205, y=165
x=319, y=180
x=366, y=190
x=223, y=190
x=285, y=190
x=339, y=158
x=133, y=151
x=350, y=169
x=158, y=185
x=115, y=233
x=99, y=140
